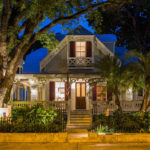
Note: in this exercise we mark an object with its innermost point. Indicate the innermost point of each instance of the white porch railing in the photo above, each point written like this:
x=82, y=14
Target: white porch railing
x=80, y=62
x=56, y=105
x=127, y=106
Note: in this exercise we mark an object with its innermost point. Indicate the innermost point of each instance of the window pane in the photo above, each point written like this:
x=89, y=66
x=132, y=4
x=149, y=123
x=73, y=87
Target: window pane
x=78, y=54
x=83, y=44
x=83, y=90
x=78, y=44
x=78, y=89
x=80, y=47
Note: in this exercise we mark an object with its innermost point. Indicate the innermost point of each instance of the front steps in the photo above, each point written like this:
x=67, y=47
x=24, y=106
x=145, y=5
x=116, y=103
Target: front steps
x=80, y=119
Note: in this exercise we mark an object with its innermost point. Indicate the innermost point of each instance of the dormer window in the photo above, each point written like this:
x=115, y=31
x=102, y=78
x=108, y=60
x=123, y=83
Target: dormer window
x=80, y=54
x=80, y=49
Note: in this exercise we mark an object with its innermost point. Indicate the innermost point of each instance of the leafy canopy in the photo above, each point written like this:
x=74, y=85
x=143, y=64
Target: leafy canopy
x=130, y=22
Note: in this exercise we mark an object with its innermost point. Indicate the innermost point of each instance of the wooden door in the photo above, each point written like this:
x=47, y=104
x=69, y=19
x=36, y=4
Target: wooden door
x=80, y=95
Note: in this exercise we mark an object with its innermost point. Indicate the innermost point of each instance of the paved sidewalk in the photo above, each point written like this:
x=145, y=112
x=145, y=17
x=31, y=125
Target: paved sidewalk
x=74, y=146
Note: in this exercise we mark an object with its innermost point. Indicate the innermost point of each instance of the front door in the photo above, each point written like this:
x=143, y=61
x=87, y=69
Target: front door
x=80, y=95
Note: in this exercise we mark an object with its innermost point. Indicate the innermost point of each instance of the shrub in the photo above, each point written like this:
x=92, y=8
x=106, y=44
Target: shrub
x=131, y=123
x=35, y=119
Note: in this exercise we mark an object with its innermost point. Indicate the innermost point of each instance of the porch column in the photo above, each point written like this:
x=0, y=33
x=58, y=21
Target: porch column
x=25, y=95
x=28, y=94
x=18, y=92
x=43, y=92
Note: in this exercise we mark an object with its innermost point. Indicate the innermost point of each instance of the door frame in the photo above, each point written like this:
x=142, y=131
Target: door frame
x=80, y=92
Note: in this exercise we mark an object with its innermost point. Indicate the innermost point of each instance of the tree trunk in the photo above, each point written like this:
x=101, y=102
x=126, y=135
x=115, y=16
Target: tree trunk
x=145, y=101
x=117, y=102
x=5, y=88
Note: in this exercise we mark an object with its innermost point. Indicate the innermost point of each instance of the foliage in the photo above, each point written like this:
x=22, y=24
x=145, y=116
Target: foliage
x=35, y=119
x=111, y=70
x=139, y=68
x=48, y=40
x=130, y=123
x=129, y=22
x=23, y=22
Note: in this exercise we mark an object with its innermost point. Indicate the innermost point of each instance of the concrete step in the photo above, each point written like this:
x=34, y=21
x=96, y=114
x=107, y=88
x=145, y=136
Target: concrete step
x=77, y=130
x=80, y=123
x=80, y=116
x=78, y=127
x=81, y=119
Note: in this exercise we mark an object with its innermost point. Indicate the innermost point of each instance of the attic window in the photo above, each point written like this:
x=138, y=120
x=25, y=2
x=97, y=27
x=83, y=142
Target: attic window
x=80, y=49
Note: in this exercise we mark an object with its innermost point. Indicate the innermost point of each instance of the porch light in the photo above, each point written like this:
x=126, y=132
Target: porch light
x=34, y=91
x=32, y=82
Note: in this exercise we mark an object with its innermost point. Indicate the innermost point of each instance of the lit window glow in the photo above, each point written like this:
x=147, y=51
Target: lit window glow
x=101, y=93
x=34, y=94
x=80, y=49
x=129, y=94
x=60, y=91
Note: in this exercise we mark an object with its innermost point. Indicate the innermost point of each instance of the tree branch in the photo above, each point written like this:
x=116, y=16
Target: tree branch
x=5, y=16
x=74, y=16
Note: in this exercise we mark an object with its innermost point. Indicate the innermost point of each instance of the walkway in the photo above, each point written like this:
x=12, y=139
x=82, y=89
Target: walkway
x=73, y=146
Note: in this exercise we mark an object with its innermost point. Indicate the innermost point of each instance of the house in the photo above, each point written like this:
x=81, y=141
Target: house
x=63, y=79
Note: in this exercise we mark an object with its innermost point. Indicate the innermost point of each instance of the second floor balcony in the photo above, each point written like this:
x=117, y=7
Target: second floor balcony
x=80, y=62
x=80, y=54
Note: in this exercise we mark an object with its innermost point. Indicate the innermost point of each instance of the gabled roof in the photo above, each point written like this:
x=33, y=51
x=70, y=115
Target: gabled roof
x=80, y=30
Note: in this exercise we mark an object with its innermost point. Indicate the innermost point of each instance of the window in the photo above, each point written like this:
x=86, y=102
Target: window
x=60, y=91
x=80, y=49
x=101, y=93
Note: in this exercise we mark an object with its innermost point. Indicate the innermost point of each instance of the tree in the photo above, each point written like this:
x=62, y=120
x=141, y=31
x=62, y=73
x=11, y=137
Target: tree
x=111, y=70
x=129, y=22
x=139, y=68
x=20, y=22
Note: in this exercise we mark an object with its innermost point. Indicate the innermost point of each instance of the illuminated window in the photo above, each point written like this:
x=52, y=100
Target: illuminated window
x=80, y=49
x=101, y=93
x=60, y=91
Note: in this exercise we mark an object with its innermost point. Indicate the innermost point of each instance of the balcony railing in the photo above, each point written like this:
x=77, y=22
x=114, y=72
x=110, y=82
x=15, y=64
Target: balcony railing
x=80, y=62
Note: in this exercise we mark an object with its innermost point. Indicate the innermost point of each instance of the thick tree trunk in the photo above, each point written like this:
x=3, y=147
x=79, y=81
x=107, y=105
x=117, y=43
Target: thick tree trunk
x=145, y=101
x=5, y=87
x=117, y=102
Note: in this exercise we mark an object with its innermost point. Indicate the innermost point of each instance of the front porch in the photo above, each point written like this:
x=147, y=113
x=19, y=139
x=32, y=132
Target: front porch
x=72, y=96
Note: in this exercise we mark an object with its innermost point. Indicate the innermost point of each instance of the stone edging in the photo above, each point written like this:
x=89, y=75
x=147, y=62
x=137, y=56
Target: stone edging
x=75, y=137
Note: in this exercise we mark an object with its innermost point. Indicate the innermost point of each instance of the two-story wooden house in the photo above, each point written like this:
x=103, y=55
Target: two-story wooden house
x=63, y=80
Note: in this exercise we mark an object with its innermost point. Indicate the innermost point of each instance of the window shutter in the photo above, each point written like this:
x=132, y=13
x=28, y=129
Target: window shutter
x=109, y=95
x=66, y=91
x=52, y=91
x=72, y=49
x=94, y=94
x=88, y=49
